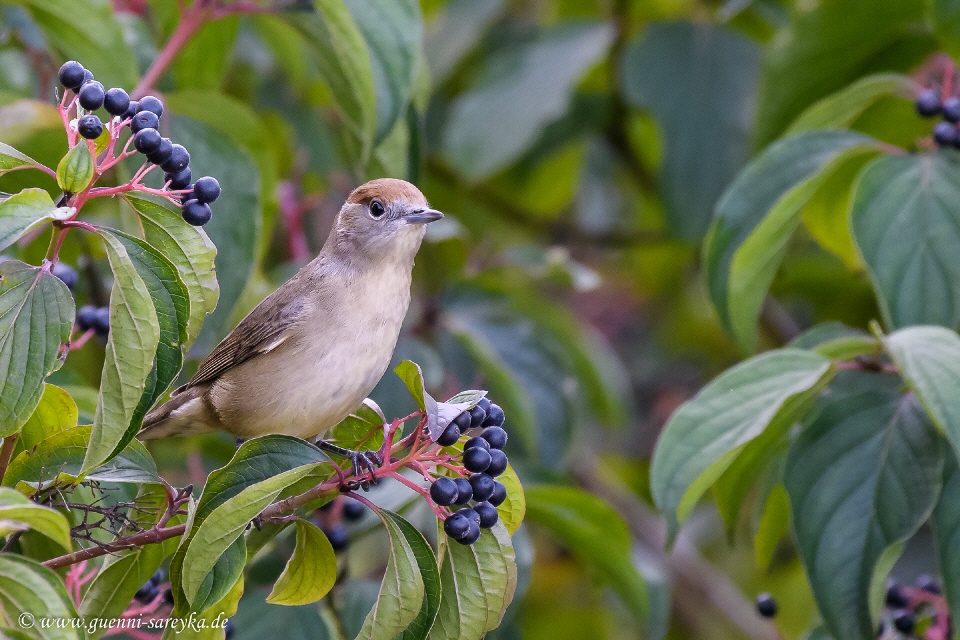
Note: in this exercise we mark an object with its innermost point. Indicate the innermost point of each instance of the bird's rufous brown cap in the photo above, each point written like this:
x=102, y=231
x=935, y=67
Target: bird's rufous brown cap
x=387, y=189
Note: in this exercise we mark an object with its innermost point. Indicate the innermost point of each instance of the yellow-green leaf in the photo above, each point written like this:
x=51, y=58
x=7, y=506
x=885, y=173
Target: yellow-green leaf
x=311, y=571
x=76, y=169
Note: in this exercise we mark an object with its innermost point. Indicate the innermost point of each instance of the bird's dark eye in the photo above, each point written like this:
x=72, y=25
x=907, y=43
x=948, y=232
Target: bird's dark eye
x=376, y=209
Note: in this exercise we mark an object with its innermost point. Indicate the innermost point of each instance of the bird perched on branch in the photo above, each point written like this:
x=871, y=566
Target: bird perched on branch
x=308, y=355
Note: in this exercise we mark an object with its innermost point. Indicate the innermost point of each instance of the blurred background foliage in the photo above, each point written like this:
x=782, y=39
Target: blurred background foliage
x=579, y=148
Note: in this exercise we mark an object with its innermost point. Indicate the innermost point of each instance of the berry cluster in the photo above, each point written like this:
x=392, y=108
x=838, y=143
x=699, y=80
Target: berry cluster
x=154, y=595
x=88, y=316
x=332, y=516
x=143, y=118
x=905, y=606
x=929, y=105
x=484, y=458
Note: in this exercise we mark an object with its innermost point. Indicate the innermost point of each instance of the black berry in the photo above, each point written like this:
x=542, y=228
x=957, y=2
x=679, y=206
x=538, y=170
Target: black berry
x=463, y=421
x=144, y=120
x=196, y=213
x=470, y=515
x=928, y=584
x=444, y=491
x=498, y=462
x=228, y=630
x=951, y=109
x=90, y=127
x=449, y=436
x=71, y=74
x=168, y=596
x=456, y=525
x=131, y=110
x=66, y=273
x=895, y=598
x=472, y=535
x=473, y=443
x=904, y=621
x=101, y=321
x=496, y=436
x=945, y=133
x=488, y=514
x=476, y=460
x=91, y=95
x=207, y=189
x=928, y=103
x=464, y=491
x=147, y=140
x=179, y=158
x=326, y=506
x=499, y=494
x=146, y=593
x=353, y=510
x=483, y=486
x=152, y=104
x=86, y=317
x=338, y=537
x=477, y=416
x=494, y=416
x=766, y=605
x=87, y=77
x=485, y=404
x=179, y=180
x=157, y=577
x=163, y=152
x=116, y=101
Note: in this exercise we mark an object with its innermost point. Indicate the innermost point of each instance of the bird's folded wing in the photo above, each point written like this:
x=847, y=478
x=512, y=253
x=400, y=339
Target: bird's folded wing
x=263, y=330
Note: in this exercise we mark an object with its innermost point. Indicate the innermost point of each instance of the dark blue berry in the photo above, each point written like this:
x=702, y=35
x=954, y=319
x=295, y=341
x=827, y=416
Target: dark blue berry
x=116, y=101
x=477, y=416
x=163, y=152
x=181, y=180
x=928, y=103
x=498, y=462
x=90, y=127
x=483, y=486
x=86, y=317
x=353, y=510
x=449, y=436
x=464, y=491
x=146, y=593
x=766, y=605
x=456, y=526
x=152, y=104
x=904, y=621
x=951, y=109
x=338, y=537
x=463, y=421
x=157, y=577
x=895, y=598
x=71, y=74
x=66, y=273
x=499, y=494
x=179, y=158
x=228, y=630
x=476, y=460
x=101, y=322
x=494, y=416
x=945, y=133
x=472, y=534
x=475, y=442
x=147, y=140
x=488, y=514
x=131, y=110
x=444, y=491
x=144, y=120
x=168, y=596
x=196, y=213
x=207, y=189
x=470, y=515
x=928, y=584
x=91, y=95
x=496, y=436
x=485, y=404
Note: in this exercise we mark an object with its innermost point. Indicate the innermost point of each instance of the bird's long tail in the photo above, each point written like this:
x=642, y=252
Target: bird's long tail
x=186, y=413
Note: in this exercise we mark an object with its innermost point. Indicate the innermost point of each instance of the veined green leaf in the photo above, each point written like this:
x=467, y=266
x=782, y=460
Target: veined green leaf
x=361, y=429
x=55, y=412
x=412, y=376
x=75, y=170
x=26, y=586
x=310, y=572
x=840, y=110
x=17, y=508
x=946, y=531
x=514, y=507
x=25, y=211
x=429, y=573
x=11, y=159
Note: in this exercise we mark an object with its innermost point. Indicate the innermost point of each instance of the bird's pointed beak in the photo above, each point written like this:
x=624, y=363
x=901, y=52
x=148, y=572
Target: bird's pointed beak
x=422, y=216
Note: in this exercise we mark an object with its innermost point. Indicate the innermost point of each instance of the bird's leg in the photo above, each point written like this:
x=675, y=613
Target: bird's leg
x=360, y=460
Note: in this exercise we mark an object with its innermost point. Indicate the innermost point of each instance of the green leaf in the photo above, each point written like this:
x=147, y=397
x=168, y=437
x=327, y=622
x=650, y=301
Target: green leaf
x=341, y=57
x=36, y=318
x=131, y=345
x=237, y=214
x=393, y=31
x=172, y=304
x=412, y=377
x=837, y=341
x=946, y=533
x=929, y=360
x=830, y=45
x=705, y=435
x=402, y=591
x=454, y=31
x=211, y=623
x=907, y=229
x=25, y=211
x=59, y=457
x=757, y=216
x=75, y=170
x=513, y=509
x=11, y=159
x=17, y=508
x=26, y=586
x=257, y=619
x=773, y=526
x=55, y=412
x=682, y=71
x=861, y=479
x=88, y=31
x=946, y=23
x=841, y=110
x=259, y=471
x=361, y=429
x=190, y=250
x=204, y=61
x=594, y=532
x=493, y=123
x=310, y=572
x=429, y=572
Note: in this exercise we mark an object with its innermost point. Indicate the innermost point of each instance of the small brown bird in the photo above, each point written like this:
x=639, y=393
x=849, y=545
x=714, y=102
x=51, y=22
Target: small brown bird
x=309, y=354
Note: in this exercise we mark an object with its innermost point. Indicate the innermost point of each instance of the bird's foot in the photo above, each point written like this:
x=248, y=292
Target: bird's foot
x=361, y=462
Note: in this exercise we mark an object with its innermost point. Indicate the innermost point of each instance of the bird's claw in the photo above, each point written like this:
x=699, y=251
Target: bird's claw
x=360, y=462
